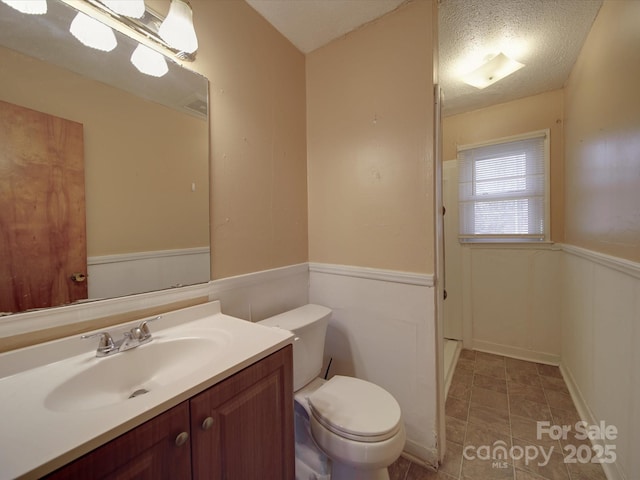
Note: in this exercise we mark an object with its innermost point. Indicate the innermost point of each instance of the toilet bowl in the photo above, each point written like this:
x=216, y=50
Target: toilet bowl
x=356, y=423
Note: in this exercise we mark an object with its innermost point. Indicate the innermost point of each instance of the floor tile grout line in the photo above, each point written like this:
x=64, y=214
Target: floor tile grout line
x=548, y=405
x=466, y=426
x=537, y=374
x=540, y=376
x=544, y=390
x=513, y=464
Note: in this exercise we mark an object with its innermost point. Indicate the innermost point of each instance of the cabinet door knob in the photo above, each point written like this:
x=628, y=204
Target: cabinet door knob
x=181, y=439
x=207, y=423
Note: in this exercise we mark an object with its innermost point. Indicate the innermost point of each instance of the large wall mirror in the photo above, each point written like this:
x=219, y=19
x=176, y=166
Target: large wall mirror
x=143, y=144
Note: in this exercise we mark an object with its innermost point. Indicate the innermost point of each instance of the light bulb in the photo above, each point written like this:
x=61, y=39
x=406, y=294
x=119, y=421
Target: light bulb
x=149, y=61
x=177, y=29
x=128, y=8
x=92, y=33
x=31, y=7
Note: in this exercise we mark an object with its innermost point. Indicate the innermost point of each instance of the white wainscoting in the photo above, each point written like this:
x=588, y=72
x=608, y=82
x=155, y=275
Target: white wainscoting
x=20, y=323
x=118, y=275
x=258, y=295
x=251, y=297
x=511, y=300
x=383, y=330
x=601, y=348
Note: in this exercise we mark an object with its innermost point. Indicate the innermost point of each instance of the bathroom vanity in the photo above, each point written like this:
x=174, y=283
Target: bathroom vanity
x=224, y=412
x=239, y=428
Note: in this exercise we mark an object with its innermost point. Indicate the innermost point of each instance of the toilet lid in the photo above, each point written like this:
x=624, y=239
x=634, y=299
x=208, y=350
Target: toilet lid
x=356, y=409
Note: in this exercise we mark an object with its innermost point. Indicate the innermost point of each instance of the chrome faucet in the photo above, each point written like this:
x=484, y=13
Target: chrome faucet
x=135, y=337
x=106, y=345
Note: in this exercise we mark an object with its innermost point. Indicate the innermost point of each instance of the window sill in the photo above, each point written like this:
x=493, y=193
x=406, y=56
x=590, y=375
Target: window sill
x=545, y=245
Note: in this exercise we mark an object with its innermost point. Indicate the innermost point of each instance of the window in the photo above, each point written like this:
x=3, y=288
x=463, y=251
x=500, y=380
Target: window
x=503, y=193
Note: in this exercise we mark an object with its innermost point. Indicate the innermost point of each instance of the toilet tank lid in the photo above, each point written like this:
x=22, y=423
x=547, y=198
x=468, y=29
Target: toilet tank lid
x=298, y=317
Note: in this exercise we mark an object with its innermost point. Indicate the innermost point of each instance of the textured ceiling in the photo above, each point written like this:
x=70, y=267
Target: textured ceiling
x=545, y=35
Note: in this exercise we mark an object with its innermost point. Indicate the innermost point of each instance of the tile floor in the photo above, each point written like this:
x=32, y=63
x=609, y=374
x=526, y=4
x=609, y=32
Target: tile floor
x=494, y=398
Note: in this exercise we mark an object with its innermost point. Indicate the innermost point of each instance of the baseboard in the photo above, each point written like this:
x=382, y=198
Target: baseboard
x=449, y=372
x=611, y=470
x=420, y=454
x=516, y=352
x=419, y=461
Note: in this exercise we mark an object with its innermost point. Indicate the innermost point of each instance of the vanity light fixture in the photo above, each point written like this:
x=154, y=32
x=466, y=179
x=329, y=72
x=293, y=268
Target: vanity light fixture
x=495, y=68
x=31, y=7
x=93, y=33
x=128, y=8
x=151, y=28
x=177, y=29
x=149, y=61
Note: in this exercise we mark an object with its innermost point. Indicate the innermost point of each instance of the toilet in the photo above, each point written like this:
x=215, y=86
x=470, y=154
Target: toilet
x=357, y=424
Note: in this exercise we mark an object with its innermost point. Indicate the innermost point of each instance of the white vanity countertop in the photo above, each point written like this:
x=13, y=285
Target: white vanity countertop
x=37, y=436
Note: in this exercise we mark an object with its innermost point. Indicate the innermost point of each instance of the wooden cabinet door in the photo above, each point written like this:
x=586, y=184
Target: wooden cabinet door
x=250, y=434
x=148, y=452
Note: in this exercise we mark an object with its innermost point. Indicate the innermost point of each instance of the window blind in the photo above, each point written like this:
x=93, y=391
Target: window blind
x=502, y=191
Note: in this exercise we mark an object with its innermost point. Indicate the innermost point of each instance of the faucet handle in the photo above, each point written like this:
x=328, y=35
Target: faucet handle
x=105, y=344
x=135, y=333
x=144, y=327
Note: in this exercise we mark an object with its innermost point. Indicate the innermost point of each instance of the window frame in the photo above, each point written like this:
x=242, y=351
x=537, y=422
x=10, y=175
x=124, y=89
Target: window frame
x=545, y=134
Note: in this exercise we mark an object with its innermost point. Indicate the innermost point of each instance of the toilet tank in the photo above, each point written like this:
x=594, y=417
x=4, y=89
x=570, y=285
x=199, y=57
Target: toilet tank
x=309, y=325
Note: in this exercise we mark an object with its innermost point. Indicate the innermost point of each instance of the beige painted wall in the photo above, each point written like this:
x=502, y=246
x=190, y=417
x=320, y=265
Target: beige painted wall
x=602, y=136
x=528, y=114
x=370, y=144
x=258, y=198
x=140, y=158
x=258, y=139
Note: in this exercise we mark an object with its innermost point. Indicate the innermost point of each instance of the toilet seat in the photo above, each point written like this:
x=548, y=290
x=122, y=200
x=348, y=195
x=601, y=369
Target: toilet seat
x=356, y=409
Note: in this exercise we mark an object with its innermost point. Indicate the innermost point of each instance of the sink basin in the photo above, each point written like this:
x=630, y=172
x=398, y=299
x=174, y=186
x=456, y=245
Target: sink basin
x=124, y=376
x=59, y=401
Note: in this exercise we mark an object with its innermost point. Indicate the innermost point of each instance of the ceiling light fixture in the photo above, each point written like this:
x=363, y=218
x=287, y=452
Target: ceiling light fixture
x=149, y=61
x=128, y=8
x=31, y=7
x=93, y=33
x=495, y=68
x=177, y=29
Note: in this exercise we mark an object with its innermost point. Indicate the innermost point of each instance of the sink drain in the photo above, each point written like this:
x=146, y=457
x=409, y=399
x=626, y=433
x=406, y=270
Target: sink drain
x=141, y=391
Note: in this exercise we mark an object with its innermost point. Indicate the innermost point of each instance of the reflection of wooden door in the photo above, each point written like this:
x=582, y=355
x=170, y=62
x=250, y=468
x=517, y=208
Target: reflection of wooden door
x=42, y=212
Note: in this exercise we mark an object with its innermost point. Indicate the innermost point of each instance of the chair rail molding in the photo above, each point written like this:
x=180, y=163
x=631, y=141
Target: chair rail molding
x=620, y=264
x=395, y=276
